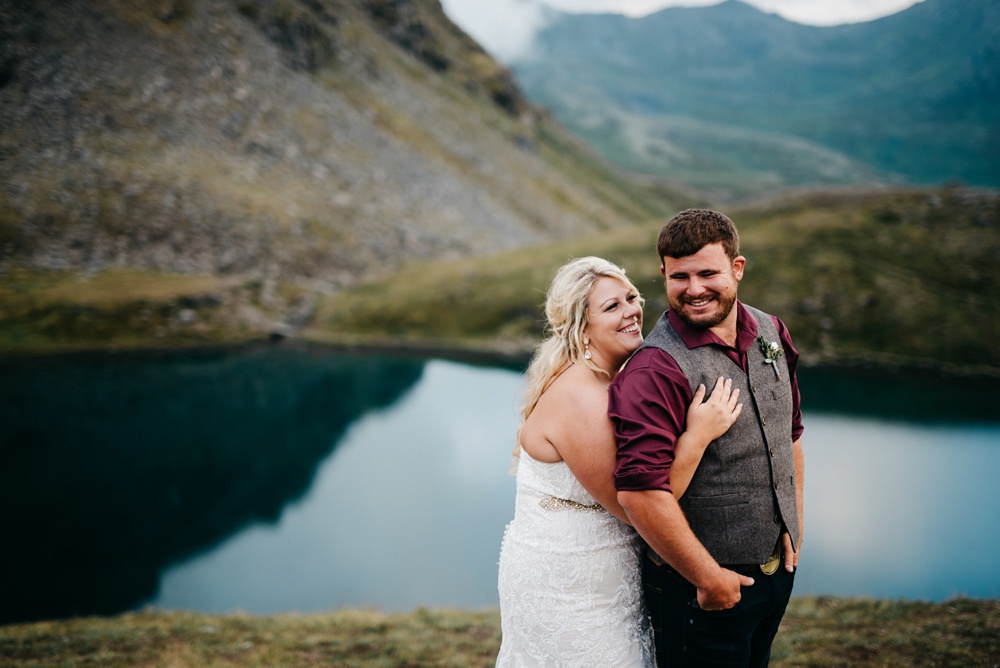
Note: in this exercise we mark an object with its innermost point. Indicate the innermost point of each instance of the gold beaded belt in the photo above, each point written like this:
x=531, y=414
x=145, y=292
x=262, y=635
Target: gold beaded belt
x=555, y=503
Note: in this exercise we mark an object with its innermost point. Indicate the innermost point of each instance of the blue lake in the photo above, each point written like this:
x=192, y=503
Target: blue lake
x=287, y=480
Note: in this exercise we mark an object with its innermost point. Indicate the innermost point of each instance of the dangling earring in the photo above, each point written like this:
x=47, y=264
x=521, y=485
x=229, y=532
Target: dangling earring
x=586, y=348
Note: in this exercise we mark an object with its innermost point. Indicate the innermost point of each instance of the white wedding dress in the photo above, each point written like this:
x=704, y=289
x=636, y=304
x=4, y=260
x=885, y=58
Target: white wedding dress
x=570, y=579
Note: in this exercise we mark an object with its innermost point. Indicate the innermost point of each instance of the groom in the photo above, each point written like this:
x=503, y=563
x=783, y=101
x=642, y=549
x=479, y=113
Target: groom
x=714, y=584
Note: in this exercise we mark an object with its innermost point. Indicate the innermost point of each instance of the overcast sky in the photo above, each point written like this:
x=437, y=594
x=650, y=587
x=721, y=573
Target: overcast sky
x=506, y=27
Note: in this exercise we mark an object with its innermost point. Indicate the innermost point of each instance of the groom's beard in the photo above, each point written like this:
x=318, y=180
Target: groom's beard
x=724, y=305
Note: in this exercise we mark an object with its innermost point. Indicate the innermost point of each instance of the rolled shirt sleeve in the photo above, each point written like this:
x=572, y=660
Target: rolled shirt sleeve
x=647, y=403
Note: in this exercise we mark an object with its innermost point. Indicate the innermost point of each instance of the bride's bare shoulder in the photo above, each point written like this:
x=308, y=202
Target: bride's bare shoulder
x=577, y=387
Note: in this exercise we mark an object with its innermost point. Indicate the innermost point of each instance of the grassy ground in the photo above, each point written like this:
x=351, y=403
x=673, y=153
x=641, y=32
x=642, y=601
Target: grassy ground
x=55, y=311
x=816, y=632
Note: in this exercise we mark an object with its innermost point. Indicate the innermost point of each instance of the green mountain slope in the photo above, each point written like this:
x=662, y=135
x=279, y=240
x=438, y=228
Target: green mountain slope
x=905, y=278
x=750, y=99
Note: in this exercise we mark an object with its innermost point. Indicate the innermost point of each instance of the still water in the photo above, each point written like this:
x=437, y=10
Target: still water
x=287, y=480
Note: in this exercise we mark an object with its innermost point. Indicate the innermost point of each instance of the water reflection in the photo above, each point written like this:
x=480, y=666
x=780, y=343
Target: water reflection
x=284, y=480
x=887, y=502
x=113, y=467
x=900, y=496
x=408, y=511
x=897, y=510
x=910, y=396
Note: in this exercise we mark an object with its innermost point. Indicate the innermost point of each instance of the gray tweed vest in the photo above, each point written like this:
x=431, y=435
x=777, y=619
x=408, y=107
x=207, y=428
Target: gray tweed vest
x=743, y=492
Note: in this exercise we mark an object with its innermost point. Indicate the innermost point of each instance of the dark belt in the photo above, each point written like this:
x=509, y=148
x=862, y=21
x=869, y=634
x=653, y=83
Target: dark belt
x=769, y=567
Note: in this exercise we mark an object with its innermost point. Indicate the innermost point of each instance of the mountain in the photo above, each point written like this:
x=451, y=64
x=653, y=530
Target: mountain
x=739, y=102
x=292, y=147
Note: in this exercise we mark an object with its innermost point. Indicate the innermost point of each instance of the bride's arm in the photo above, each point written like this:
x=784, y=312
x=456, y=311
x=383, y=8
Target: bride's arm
x=587, y=443
x=706, y=421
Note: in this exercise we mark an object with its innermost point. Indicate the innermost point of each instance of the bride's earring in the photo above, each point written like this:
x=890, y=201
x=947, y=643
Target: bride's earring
x=586, y=348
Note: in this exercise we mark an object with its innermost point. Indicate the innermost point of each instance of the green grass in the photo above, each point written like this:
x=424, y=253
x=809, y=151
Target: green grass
x=490, y=299
x=62, y=310
x=821, y=632
x=897, y=277
x=892, y=276
x=346, y=638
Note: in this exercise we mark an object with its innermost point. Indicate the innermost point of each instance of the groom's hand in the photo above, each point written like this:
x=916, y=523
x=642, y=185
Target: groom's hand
x=724, y=591
x=791, y=556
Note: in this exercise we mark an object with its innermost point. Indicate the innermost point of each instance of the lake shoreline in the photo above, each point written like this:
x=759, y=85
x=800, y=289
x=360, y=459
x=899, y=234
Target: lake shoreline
x=510, y=355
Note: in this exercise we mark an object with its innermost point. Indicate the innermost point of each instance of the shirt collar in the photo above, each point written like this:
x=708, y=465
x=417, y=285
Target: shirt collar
x=746, y=330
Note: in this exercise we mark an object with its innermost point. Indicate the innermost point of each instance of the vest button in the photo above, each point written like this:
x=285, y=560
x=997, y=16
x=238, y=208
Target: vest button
x=777, y=519
x=771, y=450
x=763, y=421
x=776, y=484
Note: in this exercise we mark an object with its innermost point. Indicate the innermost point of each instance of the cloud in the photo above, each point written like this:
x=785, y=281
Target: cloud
x=832, y=12
x=626, y=7
x=813, y=12
x=507, y=28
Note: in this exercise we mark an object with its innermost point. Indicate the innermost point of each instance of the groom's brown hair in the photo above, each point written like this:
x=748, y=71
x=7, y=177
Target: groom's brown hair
x=693, y=229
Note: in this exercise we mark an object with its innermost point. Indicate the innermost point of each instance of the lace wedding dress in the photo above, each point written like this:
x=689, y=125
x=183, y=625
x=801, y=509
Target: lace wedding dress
x=570, y=581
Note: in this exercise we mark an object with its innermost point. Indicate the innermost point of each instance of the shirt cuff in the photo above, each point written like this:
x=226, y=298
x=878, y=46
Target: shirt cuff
x=641, y=481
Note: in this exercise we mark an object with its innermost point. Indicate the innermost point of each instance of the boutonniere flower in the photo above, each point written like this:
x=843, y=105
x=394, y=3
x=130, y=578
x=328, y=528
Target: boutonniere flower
x=772, y=351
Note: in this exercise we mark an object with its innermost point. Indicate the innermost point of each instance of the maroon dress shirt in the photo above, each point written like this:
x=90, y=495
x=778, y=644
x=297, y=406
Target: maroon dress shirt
x=649, y=413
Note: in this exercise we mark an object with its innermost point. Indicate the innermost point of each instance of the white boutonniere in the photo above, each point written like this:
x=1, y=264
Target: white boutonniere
x=772, y=351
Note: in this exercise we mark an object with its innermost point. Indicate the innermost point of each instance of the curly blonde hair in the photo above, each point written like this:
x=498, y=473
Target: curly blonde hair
x=566, y=306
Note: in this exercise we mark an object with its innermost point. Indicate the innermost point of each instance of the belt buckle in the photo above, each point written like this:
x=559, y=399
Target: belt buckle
x=770, y=567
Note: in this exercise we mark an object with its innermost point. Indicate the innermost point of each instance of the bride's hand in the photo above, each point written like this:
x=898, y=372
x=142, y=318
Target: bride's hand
x=711, y=418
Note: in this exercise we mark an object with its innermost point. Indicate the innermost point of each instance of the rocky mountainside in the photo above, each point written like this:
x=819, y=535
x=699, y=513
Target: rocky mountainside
x=311, y=141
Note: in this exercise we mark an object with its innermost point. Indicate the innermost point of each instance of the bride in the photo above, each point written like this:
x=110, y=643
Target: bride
x=570, y=579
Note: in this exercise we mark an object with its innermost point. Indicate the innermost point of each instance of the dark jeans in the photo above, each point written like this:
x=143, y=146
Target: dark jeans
x=688, y=636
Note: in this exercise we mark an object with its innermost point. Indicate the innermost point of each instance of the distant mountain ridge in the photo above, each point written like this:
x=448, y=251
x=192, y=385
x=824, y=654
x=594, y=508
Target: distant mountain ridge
x=731, y=93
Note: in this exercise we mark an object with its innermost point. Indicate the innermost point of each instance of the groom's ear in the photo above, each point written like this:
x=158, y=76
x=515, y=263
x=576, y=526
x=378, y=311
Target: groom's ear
x=739, y=264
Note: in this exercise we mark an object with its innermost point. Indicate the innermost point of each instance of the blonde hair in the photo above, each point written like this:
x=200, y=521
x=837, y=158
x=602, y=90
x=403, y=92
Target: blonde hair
x=566, y=306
